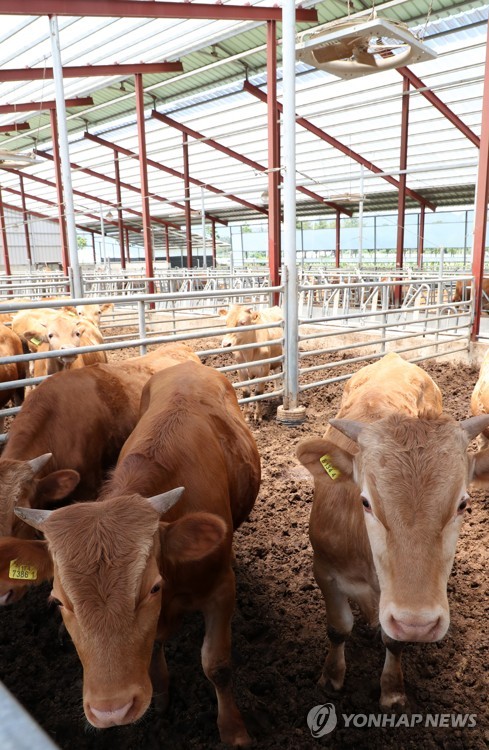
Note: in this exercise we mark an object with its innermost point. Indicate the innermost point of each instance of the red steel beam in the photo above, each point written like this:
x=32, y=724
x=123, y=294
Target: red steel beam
x=88, y=71
x=81, y=101
x=44, y=217
x=341, y=147
x=482, y=196
x=24, y=217
x=119, y=209
x=89, y=197
x=214, y=245
x=106, y=178
x=143, y=179
x=186, y=183
x=3, y=232
x=14, y=126
x=59, y=192
x=239, y=157
x=173, y=172
x=167, y=245
x=137, y=9
x=418, y=84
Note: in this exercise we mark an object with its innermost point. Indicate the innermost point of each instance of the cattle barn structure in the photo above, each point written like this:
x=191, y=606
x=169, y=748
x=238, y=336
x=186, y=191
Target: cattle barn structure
x=217, y=175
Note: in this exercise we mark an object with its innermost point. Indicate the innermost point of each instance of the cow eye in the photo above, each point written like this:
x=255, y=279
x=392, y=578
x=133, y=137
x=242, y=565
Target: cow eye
x=464, y=506
x=55, y=601
x=366, y=504
x=50, y=335
x=155, y=588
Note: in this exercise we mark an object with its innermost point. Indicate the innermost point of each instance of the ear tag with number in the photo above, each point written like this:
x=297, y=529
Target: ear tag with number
x=328, y=467
x=21, y=572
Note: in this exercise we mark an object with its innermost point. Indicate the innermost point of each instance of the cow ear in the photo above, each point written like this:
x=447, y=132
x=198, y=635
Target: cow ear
x=106, y=306
x=324, y=459
x=222, y=312
x=36, y=336
x=254, y=315
x=24, y=561
x=58, y=484
x=192, y=537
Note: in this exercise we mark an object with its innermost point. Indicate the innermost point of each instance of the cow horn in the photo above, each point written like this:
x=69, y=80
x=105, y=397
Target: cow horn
x=348, y=427
x=37, y=464
x=163, y=503
x=475, y=425
x=33, y=516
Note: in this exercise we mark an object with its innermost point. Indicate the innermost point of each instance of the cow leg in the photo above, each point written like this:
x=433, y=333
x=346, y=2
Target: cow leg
x=158, y=672
x=216, y=661
x=392, y=682
x=340, y=624
x=259, y=389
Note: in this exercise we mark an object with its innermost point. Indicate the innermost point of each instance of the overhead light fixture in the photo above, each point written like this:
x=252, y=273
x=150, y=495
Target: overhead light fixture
x=14, y=160
x=352, y=48
x=347, y=197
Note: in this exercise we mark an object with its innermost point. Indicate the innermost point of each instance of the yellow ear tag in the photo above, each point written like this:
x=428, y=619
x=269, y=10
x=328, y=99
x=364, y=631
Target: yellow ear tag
x=22, y=572
x=35, y=341
x=328, y=467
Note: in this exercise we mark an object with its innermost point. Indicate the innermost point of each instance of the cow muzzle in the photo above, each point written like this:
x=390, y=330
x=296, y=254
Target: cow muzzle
x=113, y=713
x=406, y=625
x=226, y=342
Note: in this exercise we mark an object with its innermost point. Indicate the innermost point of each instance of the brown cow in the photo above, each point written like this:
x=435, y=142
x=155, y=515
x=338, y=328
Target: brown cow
x=10, y=346
x=237, y=316
x=463, y=292
x=128, y=578
x=80, y=419
x=387, y=510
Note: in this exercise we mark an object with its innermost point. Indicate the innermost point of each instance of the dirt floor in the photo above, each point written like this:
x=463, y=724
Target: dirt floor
x=279, y=631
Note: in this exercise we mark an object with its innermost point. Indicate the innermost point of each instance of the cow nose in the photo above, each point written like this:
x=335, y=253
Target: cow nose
x=226, y=343
x=409, y=627
x=109, y=717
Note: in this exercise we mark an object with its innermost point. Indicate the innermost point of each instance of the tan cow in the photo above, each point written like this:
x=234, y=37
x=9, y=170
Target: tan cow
x=93, y=313
x=10, y=346
x=388, y=507
x=238, y=316
x=463, y=292
x=128, y=579
x=67, y=435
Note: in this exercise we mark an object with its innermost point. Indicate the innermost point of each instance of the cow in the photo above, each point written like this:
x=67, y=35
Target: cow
x=129, y=577
x=463, y=292
x=67, y=436
x=93, y=313
x=10, y=346
x=390, y=492
x=479, y=400
x=237, y=316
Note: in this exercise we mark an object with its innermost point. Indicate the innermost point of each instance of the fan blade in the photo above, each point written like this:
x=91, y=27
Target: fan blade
x=364, y=57
x=336, y=51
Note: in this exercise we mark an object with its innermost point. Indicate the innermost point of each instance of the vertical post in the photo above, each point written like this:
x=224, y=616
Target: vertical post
x=186, y=182
x=204, y=249
x=337, y=251
x=93, y=250
x=214, y=244
x=119, y=209
x=290, y=412
x=103, y=252
x=273, y=158
x=128, y=249
x=167, y=245
x=481, y=198
x=59, y=192
x=422, y=214
x=466, y=231
x=401, y=203
x=3, y=232
x=360, y=219
x=77, y=289
x=143, y=173
x=25, y=220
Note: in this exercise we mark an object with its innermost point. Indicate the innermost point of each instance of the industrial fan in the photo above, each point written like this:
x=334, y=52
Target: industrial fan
x=354, y=48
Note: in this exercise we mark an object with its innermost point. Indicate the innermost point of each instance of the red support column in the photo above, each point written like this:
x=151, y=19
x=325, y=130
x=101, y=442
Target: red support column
x=25, y=219
x=167, y=245
x=214, y=245
x=119, y=208
x=482, y=195
x=422, y=214
x=338, y=245
x=143, y=172
x=59, y=193
x=186, y=181
x=3, y=232
x=273, y=158
x=126, y=231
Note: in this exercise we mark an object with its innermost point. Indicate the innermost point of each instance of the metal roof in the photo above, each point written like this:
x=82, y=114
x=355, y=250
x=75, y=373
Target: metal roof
x=217, y=56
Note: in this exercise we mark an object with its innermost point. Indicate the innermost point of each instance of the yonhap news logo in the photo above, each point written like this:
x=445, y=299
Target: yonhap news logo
x=322, y=720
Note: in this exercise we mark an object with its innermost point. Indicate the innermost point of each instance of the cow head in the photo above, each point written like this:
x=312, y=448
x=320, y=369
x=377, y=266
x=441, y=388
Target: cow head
x=110, y=585
x=411, y=477
x=238, y=316
x=22, y=484
x=63, y=331
x=93, y=313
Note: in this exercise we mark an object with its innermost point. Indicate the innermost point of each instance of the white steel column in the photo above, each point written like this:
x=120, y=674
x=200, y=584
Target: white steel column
x=290, y=412
x=69, y=211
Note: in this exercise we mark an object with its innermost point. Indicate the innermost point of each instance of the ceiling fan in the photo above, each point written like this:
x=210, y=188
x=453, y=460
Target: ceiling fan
x=354, y=48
